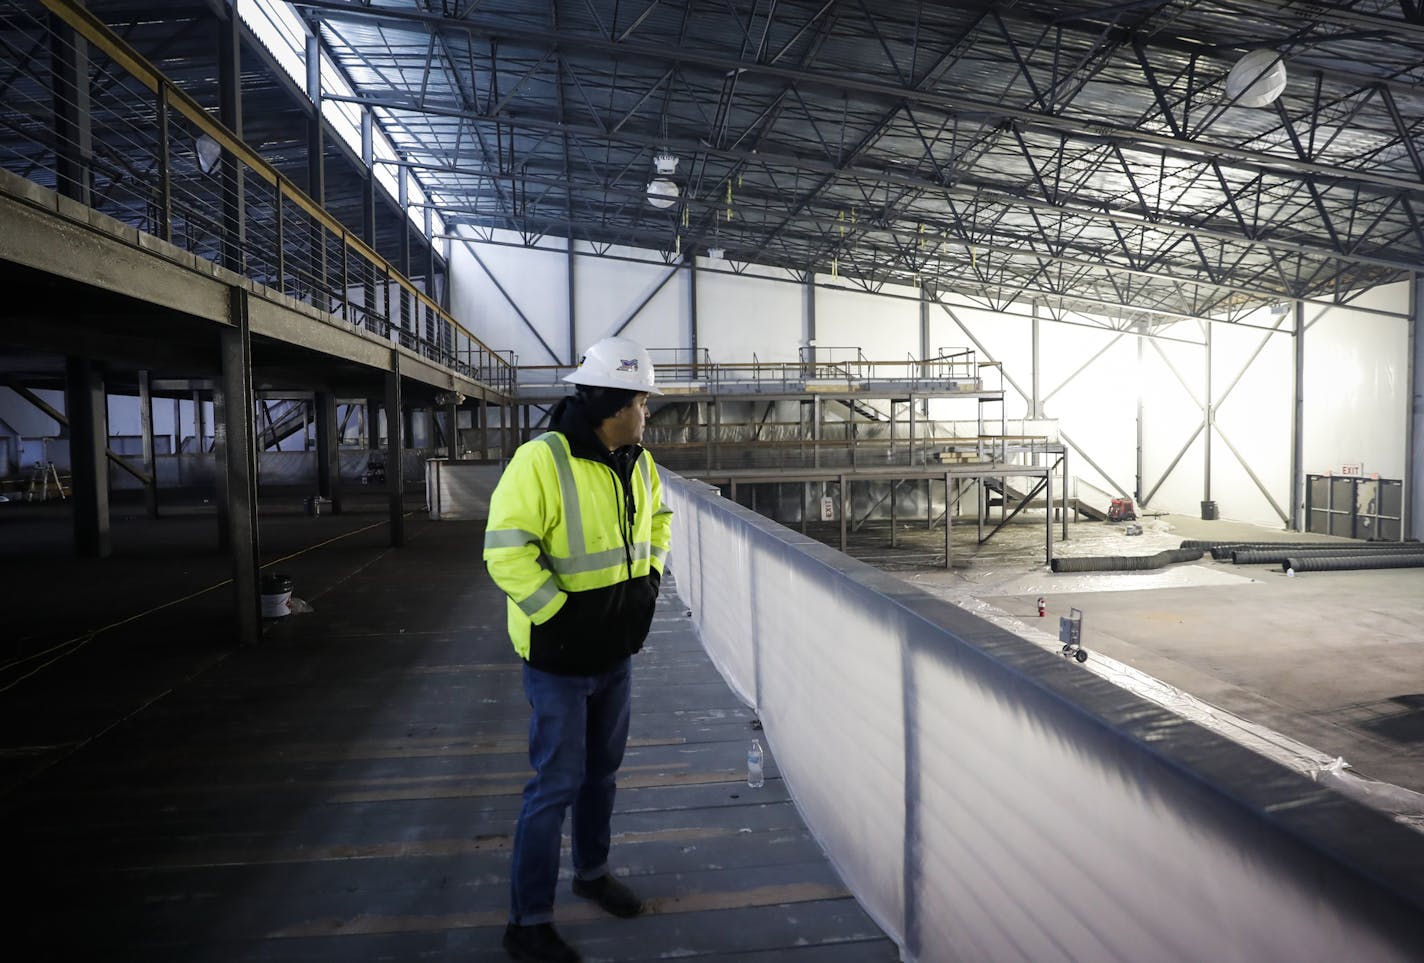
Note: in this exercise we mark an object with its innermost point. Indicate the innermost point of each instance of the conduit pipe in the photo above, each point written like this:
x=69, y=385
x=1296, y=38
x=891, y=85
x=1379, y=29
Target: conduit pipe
x=1126, y=563
x=1340, y=563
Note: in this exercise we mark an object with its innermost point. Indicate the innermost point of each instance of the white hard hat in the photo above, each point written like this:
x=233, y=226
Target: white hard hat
x=615, y=363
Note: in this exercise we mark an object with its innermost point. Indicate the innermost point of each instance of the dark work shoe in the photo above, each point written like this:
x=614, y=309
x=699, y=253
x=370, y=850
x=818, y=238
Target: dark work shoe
x=539, y=943
x=613, y=896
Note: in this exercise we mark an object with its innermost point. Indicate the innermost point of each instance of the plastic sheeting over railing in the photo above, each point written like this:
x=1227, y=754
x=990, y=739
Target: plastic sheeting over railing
x=987, y=800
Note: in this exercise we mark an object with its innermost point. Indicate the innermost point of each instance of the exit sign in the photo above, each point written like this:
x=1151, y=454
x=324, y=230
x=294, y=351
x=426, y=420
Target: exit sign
x=1352, y=469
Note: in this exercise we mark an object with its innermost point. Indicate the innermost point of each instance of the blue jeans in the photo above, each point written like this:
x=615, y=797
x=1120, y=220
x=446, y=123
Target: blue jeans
x=577, y=732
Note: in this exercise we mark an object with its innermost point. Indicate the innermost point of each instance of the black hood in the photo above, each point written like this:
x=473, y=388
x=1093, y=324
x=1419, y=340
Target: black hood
x=570, y=419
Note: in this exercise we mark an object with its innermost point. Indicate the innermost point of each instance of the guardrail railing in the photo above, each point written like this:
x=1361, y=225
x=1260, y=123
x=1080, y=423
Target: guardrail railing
x=87, y=116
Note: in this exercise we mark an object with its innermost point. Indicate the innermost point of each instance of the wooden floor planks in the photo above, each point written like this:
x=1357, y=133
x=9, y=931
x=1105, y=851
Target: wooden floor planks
x=346, y=789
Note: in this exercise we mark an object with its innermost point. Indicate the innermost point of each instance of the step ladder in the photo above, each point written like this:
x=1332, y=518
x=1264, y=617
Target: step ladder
x=42, y=477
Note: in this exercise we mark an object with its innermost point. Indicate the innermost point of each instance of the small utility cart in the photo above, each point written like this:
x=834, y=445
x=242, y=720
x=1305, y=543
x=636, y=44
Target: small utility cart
x=1070, y=633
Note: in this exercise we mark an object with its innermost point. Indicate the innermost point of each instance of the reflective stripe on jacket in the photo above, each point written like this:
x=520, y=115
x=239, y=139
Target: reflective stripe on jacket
x=556, y=525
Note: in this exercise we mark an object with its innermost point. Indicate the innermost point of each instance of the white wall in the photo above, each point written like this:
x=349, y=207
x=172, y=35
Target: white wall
x=1356, y=390
x=740, y=318
x=1088, y=375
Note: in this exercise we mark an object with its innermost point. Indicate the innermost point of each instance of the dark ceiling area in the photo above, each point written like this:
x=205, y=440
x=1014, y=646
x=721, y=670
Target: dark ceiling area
x=1117, y=160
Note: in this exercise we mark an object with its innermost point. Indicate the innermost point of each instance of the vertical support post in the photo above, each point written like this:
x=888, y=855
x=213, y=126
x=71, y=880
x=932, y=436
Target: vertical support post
x=395, y=444
x=1297, y=426
x=1412, y=502
x=200, y=423
x=573, y=322
x=163, y=222
x=692, y=326
x=894, y=484
x=948, y=522
x=87, y=410
x=316, y=147
x=482, y=412
x=912, y=429
x=891, y=458
x=73, y=136
x=816, y=431
x=1035, y=364
x=230, y=112
x=373, y=424
x=1141, y=351
x=845, y=511
x=233, y=442
x=1048, y=515
x=328, y=451
x=368, y=218
x=716, y=430
x=1208, y=418
x=1065, y=495
x=150, y=460
x=402, y=312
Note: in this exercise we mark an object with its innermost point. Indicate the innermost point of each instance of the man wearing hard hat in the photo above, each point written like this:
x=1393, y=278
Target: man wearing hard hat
x=577, y=538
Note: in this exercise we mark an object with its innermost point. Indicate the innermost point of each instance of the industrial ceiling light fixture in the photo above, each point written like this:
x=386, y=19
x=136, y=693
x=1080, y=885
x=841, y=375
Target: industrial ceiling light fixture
x=1257, y=79
x=663, y=192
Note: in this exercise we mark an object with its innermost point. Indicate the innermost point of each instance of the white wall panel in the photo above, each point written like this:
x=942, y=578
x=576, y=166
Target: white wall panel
x=1007, y=339
x=1254, y=415
x=1172, y=380
x=609, y=292
x=883, y=328
x=742, y=317
x=1089, y=384
x=536, y=281
x=1356, y=371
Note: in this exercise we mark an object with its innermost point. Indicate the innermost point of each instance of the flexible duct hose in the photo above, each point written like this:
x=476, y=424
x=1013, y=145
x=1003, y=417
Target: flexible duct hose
x=1265, y=556
x=1223, y=550
x=1339, y=563
x=1126, y=563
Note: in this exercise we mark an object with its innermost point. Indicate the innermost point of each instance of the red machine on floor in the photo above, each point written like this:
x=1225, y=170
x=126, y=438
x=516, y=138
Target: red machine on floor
x=1121, y=510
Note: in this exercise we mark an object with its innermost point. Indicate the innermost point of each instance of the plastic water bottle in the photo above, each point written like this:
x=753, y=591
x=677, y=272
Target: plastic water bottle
x=755, y=778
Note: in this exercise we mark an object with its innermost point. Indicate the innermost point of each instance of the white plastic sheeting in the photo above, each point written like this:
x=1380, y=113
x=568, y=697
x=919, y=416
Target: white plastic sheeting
x=986, y=800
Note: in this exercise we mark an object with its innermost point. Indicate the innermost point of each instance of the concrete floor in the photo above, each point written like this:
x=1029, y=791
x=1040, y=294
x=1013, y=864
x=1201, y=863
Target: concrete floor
x=1330, y=660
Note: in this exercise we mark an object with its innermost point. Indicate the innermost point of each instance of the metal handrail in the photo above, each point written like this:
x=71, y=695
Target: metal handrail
x=285, y=240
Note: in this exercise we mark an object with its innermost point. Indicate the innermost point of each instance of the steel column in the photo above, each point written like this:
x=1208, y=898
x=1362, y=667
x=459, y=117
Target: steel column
x=89, y=476
x=328, y=452
x=150, y=461
x=234, y=444
x=1412, y=502
x=395, y=443
x=1298, y=523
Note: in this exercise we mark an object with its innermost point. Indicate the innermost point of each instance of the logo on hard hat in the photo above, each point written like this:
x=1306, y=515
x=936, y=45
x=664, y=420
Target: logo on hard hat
x=627, y=364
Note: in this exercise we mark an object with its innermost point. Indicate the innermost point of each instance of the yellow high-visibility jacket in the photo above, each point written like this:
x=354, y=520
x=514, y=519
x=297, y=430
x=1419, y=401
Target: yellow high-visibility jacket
x=581, y=576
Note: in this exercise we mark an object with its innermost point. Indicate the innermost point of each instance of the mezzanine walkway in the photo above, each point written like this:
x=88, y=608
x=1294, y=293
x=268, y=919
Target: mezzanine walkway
x=346, y=788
